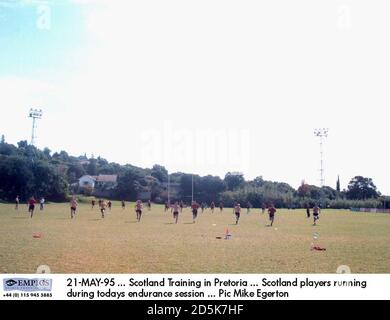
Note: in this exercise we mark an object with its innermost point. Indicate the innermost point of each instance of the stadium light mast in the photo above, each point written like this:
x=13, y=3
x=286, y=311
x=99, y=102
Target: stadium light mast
x=34, y=114
x=321, y=133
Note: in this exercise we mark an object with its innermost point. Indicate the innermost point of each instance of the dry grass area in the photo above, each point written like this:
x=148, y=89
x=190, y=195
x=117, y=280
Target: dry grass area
x=118, y=244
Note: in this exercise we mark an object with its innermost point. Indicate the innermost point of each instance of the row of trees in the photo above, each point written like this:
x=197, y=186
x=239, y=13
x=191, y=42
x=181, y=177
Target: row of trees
x=26, y=170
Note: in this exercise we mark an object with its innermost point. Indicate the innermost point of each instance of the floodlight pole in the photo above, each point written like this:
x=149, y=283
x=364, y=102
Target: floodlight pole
x=321, y=133
x=33, y=131
x=34, y=114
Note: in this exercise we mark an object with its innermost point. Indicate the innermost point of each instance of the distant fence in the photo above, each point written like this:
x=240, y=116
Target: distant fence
x=373, y=210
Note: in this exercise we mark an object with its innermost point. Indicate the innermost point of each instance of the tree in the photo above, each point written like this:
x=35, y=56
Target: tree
x=338, y=184
x=47, y=153
x=128, y=184
x=75, y=171
x=234, y=180
x=329, y=193
x=153, y=186
x=258, y=181
x=209, y=188
x=64, y=156
x=361, y=188
x=8, y=149
x=160, y=173
x=16, y=178
x=303, y=190
x=186, y=185
x=92, y=167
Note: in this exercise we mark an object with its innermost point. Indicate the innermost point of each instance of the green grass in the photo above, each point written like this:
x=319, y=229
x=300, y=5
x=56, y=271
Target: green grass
x=118, y=244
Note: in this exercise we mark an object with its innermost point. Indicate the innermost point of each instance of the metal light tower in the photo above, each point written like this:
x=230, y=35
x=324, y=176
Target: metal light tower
x=321, y=133
x=34, y=114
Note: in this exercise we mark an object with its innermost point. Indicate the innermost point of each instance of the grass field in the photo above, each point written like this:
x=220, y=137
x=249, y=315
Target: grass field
x=118, y=244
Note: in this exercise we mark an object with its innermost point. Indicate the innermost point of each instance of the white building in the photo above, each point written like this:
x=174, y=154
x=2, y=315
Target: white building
x=87, y=181
x=101, y=180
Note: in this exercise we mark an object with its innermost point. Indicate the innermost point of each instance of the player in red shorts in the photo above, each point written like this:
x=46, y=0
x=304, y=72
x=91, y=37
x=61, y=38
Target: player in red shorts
x=316, y=214
x=31, y=206
x=73, y=207
x=138, y=209
x=212, y=207
x=176, y=209
x=195, y=207
x=271, y=212
x=237, y=211
x=103, y=206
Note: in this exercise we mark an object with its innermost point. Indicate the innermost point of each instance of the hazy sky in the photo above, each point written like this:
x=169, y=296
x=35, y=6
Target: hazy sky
x=204, y=86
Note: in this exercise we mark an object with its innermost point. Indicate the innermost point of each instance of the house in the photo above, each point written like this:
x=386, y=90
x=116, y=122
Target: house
x=106, y=179
x=87, y=181
x=100, y=181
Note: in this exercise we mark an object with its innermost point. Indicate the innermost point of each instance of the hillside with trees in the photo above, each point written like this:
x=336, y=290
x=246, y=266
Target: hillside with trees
x=26, y=170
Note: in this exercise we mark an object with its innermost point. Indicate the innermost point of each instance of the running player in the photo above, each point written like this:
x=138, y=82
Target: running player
x=41, y=203
x=181, y=206
x=138, y=209
x=263, y=207
x=93, y=203
x=195, y=207
x=31, y=206
x=149, y=205
x=109, y=204
x=234, y=206
x=271, y=212
x=203, y=206
x=17, y=200
x=212, y=207
x=175, y=209
x=166, y=206
x=123, y=204
x=237, y=211
x=248, y=207
x=308, y=210
x=316, y=214
x=103, y=206
x=221, y=206
x=73, y=207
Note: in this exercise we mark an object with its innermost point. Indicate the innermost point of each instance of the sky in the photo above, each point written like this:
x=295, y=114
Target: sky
x=203, y=86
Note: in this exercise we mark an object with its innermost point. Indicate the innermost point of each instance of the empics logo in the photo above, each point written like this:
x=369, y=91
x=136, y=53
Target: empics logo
x=23, y=284
x=11, y=282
